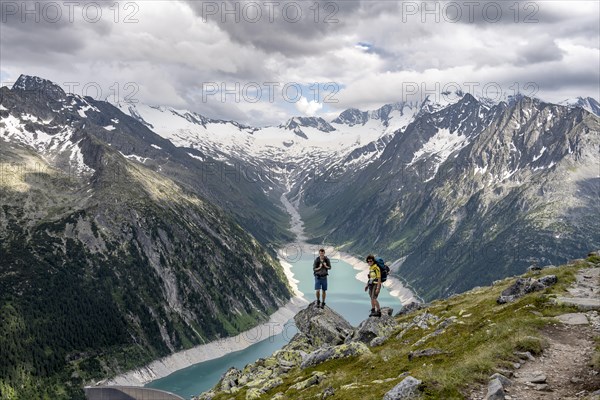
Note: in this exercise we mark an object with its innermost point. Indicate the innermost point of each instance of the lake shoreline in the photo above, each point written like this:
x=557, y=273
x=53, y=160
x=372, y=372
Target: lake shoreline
x=287, y=256
x=167, y=365
x=174, y=362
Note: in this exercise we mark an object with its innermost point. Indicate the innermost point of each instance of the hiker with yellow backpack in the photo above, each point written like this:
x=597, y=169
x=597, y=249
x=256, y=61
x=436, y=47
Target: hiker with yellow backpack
x=378, y=272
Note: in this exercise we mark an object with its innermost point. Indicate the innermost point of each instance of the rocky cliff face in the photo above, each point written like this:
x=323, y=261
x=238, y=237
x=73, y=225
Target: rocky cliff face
x=113, y=250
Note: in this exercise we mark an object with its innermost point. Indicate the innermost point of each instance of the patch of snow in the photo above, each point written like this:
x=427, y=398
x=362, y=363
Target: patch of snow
x=39, y=140
x=508, y=174
x=539, y=155
x=82, y=111
x=29, y=117
x=48, y=145
x=442, y=144
x=13, y=127
x=479, y=170
x=156, y=147
x=78, y=163
x=135, y=157
x=87, y=107
x=109, y=128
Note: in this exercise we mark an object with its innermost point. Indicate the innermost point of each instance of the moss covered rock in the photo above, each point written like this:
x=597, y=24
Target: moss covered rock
x=300, y=342
x=374, y=327
x=270, y=384
x=331, y=353
x=322, y=326
x=253, y=394
x=230, y=379
x=316, y=378
x=287, y=359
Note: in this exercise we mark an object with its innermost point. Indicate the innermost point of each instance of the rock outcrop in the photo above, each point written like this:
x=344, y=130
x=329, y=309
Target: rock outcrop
x=522, y=286
x=316, y=378
x=585, y=295
x=322, y=326
x=405, y=390
x=495, y=390
x=322, y=337
x=373, y=328
x=412, y=307
x=331, y=353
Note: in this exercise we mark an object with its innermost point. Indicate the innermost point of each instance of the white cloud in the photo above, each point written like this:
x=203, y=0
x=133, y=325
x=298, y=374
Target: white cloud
x=171, y=52
x=309, y=108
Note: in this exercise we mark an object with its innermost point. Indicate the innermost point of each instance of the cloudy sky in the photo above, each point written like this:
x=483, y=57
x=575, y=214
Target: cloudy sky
x=261, y=62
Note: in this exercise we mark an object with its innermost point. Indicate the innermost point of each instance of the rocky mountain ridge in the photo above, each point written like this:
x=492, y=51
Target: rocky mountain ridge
x=468, y=194
x=428, y=179
x=39, y=114
x=496, y=155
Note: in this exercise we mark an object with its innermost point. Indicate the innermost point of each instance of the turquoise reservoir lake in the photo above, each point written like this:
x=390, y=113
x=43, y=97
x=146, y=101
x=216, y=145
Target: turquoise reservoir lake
x=345, y=295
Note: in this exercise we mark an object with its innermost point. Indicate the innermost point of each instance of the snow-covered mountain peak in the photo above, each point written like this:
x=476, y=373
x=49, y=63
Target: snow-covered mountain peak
x=28, y=82
x=353, y=140
x=393, y=110
x=351, y=117
x=440, y=101
x=41, y=86
x=168, y=113
x=308, y=122
x=587, y=103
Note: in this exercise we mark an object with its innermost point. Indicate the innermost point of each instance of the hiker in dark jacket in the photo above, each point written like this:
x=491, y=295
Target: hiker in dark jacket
x=374, y=286
x=321, y=268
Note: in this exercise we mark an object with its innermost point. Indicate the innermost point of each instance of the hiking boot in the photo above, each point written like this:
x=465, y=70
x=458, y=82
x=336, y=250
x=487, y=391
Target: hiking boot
x=318, y=303
x=377, y=314
x=323, y=305
x=372, y=314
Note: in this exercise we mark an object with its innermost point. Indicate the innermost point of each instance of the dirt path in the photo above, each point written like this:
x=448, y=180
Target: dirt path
x=566, y=362
x=565, y=365
x=563, y=371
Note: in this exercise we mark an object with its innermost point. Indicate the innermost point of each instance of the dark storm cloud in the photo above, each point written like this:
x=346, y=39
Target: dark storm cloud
x=48, y=16
x=290, y=27
x=537, y=50
x=490, y=12
x=176, y=47
x=31, y=29
x=38, y=44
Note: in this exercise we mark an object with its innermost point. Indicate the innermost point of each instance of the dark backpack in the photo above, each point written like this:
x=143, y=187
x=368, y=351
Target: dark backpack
x=385, y=270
